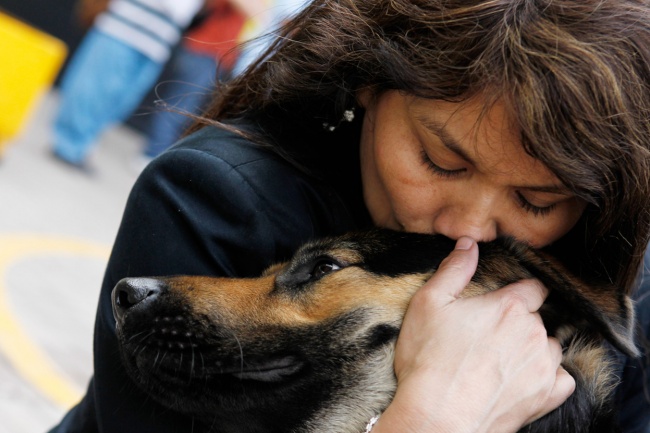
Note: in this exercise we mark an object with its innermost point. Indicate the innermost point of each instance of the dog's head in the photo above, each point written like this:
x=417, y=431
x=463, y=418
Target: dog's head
x=310, y=341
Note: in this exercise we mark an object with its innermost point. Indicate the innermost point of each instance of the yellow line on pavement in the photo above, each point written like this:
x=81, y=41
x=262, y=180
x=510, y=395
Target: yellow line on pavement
x=30, y=361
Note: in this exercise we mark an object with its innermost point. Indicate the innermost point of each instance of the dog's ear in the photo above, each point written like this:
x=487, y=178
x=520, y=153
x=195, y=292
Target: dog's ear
x=629, y=328
x=608, y=309
x=604, y=307
x=614, y=312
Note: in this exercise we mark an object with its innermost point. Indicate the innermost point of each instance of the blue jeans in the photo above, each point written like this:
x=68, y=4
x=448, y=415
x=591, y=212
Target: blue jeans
x=190, y=84
x=102, y=85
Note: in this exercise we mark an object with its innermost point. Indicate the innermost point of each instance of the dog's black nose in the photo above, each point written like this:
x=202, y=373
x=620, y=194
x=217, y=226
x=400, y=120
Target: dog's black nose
x=132, y=291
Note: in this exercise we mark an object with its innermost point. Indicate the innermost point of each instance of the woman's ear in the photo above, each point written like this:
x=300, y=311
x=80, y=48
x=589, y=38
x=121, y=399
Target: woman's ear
x=365, y=97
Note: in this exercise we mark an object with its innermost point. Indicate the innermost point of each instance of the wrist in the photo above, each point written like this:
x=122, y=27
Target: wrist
x=371, y=424
x=404, y=419
x=410, y=414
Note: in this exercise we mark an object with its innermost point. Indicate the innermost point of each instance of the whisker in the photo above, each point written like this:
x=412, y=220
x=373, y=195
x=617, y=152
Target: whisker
x=191, y=367
x=241, y=351
x=138, y=334
x=163, y=357
x=155, y=361
x=205, y=376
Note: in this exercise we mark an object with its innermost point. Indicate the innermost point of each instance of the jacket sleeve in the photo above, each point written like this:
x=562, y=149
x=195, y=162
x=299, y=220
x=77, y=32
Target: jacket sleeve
x=191, y=212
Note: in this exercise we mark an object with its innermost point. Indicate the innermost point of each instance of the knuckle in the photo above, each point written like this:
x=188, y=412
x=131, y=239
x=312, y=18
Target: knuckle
x=538, y=335
x=514, y=303
x=531, y=287
x=554, y=344
x=424, y=294
x=425, y=297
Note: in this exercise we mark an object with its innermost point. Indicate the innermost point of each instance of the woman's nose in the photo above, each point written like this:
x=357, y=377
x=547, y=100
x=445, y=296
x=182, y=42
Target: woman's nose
x=476, y=220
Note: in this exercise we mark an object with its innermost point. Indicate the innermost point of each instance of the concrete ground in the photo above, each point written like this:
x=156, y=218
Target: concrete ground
x=56, y=229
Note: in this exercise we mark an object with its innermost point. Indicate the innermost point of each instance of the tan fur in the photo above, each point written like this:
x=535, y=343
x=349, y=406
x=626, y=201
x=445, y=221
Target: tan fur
x=253, y=301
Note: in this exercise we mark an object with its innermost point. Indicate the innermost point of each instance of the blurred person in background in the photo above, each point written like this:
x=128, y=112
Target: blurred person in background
x=116, y=64
x=204, y=57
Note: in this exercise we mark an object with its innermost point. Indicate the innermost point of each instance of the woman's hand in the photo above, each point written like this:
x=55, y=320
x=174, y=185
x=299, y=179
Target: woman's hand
x=481, y=364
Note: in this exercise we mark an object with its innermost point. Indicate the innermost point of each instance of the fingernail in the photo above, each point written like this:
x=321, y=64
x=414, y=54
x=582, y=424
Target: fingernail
x=464, y=243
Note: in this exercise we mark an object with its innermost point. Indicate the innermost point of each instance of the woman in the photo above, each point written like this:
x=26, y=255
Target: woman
x=471, y=119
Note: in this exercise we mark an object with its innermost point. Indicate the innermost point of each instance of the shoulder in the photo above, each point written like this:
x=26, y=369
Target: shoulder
x=214, y=146
x=220, y=143
x=231, y=207
x=215, y=158
x=246, y=173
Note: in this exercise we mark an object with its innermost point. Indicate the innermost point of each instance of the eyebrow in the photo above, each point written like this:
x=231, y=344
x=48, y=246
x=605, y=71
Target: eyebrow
x=438, y=129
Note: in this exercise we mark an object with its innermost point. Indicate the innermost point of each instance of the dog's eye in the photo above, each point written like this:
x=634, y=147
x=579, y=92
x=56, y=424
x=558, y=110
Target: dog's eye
x=323, y=267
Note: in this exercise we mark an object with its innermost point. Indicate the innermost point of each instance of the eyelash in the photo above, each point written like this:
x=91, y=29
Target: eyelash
x=448, y=174
x=437, y=169
x=535, y=210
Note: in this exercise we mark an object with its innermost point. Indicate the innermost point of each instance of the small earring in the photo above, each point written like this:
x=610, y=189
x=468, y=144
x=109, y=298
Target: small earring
x=348, y=116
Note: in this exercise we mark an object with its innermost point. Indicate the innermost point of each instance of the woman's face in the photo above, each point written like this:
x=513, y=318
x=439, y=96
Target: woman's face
x=431, y=166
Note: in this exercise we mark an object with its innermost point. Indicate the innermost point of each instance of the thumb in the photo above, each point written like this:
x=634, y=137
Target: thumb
x=455, y=271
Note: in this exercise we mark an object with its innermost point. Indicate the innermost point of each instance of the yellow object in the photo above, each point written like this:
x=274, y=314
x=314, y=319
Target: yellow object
x=29, y=62
x=28, y=358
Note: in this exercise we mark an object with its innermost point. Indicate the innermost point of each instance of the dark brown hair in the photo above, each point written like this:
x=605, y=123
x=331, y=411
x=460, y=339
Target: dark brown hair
x=574, y=74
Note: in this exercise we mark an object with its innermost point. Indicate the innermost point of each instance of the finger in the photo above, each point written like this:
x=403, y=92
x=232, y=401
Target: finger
x=564, y=386
x=455, y=272
x=531, y=291
x=556, y=349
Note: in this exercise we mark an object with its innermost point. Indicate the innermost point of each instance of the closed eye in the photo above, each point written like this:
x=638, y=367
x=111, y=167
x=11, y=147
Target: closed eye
x=438, y=170
x=538, y=211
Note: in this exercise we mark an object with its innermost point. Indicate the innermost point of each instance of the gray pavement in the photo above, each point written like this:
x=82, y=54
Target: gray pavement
x=56, y=229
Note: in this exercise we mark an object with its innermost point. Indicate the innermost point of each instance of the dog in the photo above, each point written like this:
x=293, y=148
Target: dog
x=309, y=346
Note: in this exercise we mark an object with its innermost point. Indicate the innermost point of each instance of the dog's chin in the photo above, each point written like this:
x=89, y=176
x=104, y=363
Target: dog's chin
x=199, y=384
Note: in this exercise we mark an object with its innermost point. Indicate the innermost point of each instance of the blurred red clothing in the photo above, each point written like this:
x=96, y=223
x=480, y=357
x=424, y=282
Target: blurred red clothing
x=217, y=34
